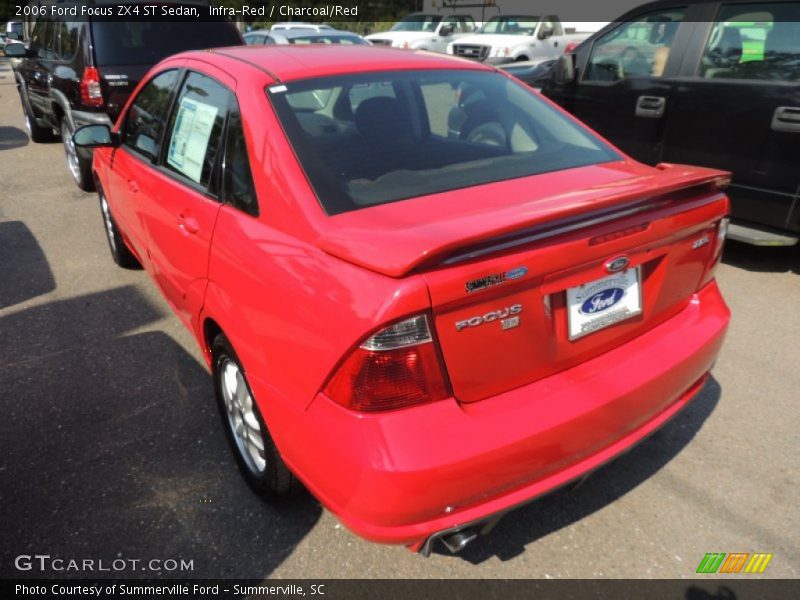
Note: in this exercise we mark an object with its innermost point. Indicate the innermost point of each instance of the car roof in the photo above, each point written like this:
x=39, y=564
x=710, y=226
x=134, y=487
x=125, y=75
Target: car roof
x=290, y=62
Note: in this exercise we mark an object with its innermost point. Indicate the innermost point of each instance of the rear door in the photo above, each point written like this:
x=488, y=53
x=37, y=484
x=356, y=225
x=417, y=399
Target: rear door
x=627, y=79
x=737, y=106
x=180, y=202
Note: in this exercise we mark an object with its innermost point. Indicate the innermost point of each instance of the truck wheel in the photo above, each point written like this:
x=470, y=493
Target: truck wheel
x=37, y=134
x=255, y=452
x=121, y=254
x=80, y=168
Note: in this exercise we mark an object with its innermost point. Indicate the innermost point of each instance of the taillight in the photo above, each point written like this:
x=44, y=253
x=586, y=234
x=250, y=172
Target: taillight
x=397, y=367
x=91, y=93
x=570, y=47
x=720, y=235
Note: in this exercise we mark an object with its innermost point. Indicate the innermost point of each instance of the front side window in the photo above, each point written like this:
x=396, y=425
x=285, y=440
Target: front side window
x=417, y=23
x=511, y=25
x=466, y=24
x=425, y=132
x=238, y=188
x=637, y=48
x=754, y=42
x=147, y=117
x=193, y=137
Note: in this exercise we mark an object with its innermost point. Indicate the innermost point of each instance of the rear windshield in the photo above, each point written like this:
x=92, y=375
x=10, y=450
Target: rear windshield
x=145, y=43
x=374, y=138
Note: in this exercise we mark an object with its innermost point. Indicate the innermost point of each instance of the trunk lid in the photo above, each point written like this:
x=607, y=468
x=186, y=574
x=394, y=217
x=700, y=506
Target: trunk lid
x=498, y=272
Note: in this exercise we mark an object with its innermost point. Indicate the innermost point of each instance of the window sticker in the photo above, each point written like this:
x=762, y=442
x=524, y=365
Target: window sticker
x=193, y=126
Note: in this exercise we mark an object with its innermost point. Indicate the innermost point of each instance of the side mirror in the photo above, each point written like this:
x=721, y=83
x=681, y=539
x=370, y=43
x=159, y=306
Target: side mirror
x=545, y=32
x=564, y=71
x=16, y=50
x=445, y=30
x=93, y=136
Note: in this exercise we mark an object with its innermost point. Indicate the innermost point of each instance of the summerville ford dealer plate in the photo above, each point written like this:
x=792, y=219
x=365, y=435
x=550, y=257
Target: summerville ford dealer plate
x=603, y=302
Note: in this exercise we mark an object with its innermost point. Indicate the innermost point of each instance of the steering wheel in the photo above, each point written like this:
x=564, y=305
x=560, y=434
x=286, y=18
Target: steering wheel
x=490, y=134
x=628, y=57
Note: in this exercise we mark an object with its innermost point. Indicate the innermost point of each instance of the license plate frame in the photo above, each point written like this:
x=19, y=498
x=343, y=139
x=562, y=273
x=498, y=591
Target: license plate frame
x=594, y=295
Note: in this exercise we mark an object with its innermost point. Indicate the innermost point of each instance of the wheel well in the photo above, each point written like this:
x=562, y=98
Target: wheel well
x=210, y=330
x=521, y=58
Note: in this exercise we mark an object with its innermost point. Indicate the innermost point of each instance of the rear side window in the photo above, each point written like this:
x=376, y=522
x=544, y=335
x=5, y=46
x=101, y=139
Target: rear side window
x=238, y=188
x=68, y=34
x=147, y=116
x=755, y=42
x=430, y=132
x=146, y=43
x=637, y=48
x=196, y=128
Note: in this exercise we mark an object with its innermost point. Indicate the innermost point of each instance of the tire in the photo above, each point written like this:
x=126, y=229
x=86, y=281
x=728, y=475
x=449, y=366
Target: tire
x=262, y=467
x=37, y=133
x=120, y=252
x=80, y=168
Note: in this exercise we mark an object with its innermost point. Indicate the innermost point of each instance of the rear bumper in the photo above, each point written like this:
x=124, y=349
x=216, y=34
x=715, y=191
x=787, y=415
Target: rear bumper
x=401, y=477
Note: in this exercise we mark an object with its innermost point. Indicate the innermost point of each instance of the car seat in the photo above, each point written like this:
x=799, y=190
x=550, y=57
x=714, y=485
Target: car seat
x=385, y=129
x=723, y=58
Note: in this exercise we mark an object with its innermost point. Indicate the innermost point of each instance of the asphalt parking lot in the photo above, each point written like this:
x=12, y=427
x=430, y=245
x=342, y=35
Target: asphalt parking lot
x=110, y=444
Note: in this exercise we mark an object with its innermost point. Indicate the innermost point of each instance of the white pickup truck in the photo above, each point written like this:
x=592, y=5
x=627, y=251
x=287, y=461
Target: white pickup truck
x=513, y=38
x=421, y=31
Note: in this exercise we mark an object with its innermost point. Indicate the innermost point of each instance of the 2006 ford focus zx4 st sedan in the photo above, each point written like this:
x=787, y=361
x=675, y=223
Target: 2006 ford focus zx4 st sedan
x=423, y=290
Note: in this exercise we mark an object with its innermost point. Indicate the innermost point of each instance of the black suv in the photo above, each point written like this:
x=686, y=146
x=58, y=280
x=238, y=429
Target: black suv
x=77, y=73
x=714, y=83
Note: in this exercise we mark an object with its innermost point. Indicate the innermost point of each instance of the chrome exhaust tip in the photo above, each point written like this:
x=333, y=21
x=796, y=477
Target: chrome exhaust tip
x=456, y=542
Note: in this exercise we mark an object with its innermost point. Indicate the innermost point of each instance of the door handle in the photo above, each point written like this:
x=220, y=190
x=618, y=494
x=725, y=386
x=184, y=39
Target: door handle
x=650, y=107
x=786, y=118
x=133, y=186
x=188, y=223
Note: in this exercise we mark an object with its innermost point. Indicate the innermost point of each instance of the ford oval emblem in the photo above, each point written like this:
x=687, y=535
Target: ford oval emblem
x=617, y=264
x=517, y=273
x=602, y=300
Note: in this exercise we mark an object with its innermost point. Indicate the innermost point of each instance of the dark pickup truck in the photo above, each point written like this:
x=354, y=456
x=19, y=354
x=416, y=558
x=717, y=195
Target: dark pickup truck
x=702, y=82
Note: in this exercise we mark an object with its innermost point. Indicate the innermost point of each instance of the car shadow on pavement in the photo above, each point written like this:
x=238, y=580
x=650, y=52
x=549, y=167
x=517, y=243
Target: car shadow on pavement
x=111, y=448
x=12, y=137
x=766, y=259
x=24, y=270
x=571, y=504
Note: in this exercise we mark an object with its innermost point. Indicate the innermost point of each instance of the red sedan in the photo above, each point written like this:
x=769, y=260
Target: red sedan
x=423, y=290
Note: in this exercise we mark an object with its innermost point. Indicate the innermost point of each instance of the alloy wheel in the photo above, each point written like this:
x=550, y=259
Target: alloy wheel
x=242, y=418
x=109, y=223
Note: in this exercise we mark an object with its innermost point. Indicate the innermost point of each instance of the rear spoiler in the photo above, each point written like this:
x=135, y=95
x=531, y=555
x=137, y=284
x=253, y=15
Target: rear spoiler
x=397, y=251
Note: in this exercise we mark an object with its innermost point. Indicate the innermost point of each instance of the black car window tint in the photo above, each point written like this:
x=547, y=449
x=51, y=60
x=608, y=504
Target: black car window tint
x=195, y=129
x=146, y=119
x=238, y=188
x=68, y=36
x=638, y=48
x=759, y=41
